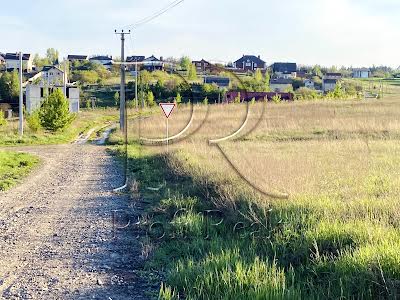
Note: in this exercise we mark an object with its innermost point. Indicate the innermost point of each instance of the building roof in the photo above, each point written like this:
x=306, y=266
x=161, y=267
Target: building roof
x=252, y=58
x=135, y=58
x=101, y=57
x=152, y=58
x=200, y=61
x=15, y=56
x=281, y=81
x=361, y=70
x=77, y=57
x=284, y=67
x=334, y=74
x=47, y=68
x=330, y=81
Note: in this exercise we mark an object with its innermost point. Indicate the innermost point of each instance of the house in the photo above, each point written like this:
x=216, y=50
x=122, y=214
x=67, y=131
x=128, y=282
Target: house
x=281, y=85
x=309, y=83
x=329, y=81
x=221, y=82
x=135, y=58
x=202, y=65
x=104, y=60
x=74, y=57
x=361, y=73
x=12, y=62
x=249, y=63
x=35, y=94
x=284, y=70
x=51, y=75
x=132, y=59
x=329, y=84
x=152, y=63
x=258, y=96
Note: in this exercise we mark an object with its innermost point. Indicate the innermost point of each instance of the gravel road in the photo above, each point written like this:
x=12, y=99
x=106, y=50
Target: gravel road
x=57, y=239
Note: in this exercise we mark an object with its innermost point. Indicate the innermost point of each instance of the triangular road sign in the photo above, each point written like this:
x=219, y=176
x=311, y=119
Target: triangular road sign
x=167, y=108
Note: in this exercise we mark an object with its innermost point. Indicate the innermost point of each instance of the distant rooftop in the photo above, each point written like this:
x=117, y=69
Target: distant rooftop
x=284, y=67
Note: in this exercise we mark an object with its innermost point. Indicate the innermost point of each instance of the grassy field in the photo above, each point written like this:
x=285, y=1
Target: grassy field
x=84, y=121
x=14, y=166
x=303, y=204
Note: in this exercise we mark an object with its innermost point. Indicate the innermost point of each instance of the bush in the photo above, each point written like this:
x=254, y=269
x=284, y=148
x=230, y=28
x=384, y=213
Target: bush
x=3, y=121
x=33, y=121
x=54, y=114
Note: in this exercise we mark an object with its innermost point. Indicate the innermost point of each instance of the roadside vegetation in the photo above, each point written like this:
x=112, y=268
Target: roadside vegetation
x=13, y=167
x=329, y=232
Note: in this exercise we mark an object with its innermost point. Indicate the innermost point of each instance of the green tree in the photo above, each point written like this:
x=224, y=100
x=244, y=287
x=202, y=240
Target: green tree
x=3, y=121
x=205, y=101
x=150, y=98
x=316, y=70
x=52, y=56
x=9, y=86
x=267, y=79
x=33, y=121
x=185, y=63
x=258, y=76
x=192, y=72
x=116, y=98
x=178, y=99
x=54, y=113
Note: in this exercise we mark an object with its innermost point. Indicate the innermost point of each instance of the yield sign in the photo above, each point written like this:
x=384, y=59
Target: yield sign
x=167, y=108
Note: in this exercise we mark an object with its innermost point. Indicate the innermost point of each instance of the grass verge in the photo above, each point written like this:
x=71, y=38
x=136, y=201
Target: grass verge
x=14, y=166
x=216, y=239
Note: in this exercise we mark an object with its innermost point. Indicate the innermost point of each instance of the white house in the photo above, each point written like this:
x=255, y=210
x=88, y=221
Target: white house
x=35, y=94
x=12, y=62
x=106, y=61
x=51, y=75
x=361, y=73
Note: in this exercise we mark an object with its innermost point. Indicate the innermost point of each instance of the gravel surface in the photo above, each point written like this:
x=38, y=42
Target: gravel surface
x=57, y=235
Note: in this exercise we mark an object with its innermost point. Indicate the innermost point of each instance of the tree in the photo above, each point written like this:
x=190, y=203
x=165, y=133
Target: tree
x=185, y=63
x=52, y=56
x=9, y=86
x=316, y=70
x=258, y=76
x=150, y=98
x=178, y=99
x=267, y=79
x=3, y=121
x=54, y=113
x=192, y=72
x=116, y=98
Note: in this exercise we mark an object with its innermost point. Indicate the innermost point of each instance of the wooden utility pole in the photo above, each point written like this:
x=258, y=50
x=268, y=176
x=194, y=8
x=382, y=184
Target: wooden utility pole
x=122, y=104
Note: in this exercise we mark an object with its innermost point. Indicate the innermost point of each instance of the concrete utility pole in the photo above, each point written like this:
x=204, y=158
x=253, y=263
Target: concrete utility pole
x=65, y=78
x=122, y=105
x=21, y=98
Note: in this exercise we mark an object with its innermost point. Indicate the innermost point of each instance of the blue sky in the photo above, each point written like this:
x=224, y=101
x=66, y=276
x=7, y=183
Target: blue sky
x=341, y=32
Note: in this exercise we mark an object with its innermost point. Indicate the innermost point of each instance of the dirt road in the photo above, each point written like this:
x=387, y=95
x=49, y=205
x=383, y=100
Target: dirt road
x=56, y=230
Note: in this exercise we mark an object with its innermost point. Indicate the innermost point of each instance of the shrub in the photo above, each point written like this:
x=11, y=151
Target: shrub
x=277, y=98
x=33, y=121
x=3, y=121
x=54, y=114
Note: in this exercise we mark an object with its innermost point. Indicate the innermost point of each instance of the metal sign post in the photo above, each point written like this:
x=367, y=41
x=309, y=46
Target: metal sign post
x=167, y=109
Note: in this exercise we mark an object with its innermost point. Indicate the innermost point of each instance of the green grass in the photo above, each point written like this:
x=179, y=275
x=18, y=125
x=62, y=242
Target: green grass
x=14, y=166
x=85, y=120
x=310, y=247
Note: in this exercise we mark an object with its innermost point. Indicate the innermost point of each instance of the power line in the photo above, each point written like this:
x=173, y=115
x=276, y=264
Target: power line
x=155, y=15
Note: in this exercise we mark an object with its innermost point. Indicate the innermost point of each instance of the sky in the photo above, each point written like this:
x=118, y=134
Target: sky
x=348, y=33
